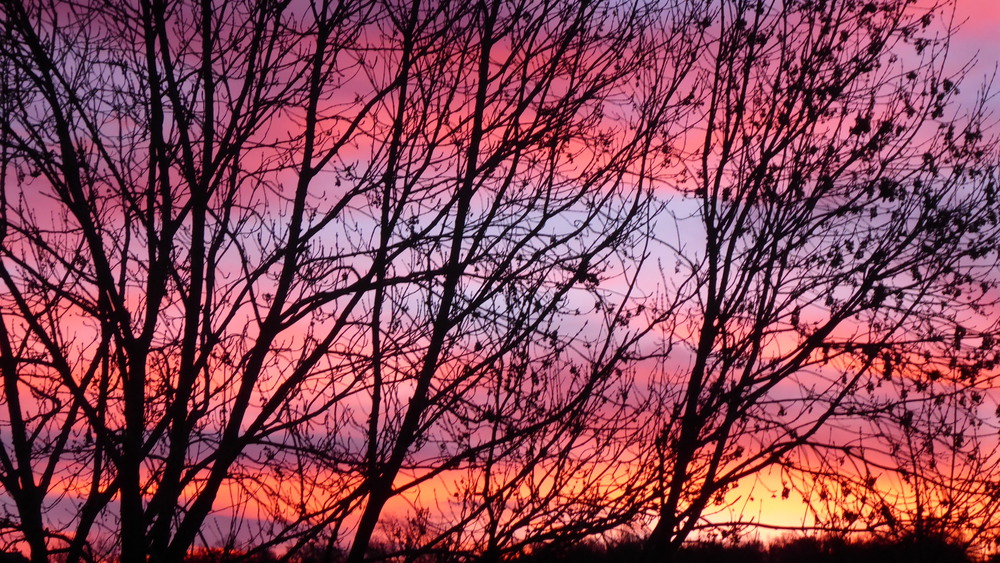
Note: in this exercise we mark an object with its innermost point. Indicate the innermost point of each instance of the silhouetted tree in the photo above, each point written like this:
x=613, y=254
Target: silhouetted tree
x=836, y=224
x=268, y=265
x=271, y=267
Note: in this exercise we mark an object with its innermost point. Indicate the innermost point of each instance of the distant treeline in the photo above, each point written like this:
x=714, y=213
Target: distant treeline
x=791, y=549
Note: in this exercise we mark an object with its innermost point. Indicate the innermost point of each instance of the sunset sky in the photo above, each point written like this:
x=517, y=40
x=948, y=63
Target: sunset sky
x=978, y=35
x=978, y=19
x=494, y=278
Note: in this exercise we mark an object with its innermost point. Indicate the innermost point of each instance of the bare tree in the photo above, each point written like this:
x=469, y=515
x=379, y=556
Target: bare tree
x=839, y=223
x=268, y=265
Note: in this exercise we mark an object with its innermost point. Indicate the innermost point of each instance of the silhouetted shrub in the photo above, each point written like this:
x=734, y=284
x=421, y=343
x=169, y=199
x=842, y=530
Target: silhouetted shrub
x=219, y=555
x=586, y=552
x=834, y=549
x=710, y=552
x=12, y=557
